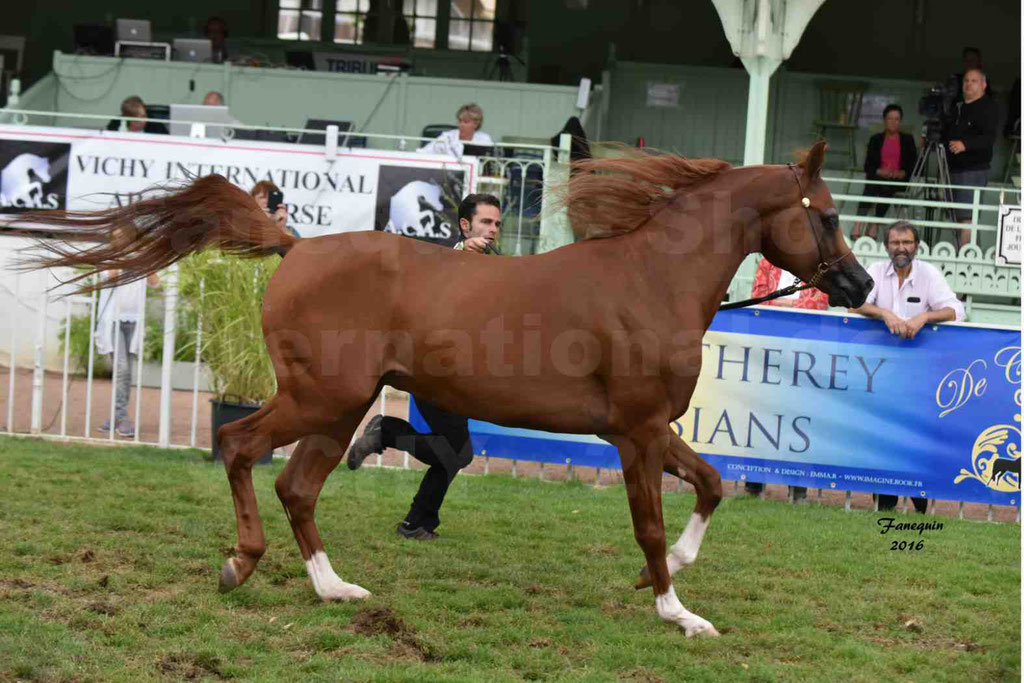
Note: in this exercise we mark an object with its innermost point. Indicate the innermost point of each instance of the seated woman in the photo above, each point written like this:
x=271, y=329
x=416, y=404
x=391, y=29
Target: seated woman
x=470, y=117
x=891, y=156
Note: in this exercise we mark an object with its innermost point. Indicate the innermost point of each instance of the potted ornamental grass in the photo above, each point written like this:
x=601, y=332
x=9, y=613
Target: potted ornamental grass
x=226, y=292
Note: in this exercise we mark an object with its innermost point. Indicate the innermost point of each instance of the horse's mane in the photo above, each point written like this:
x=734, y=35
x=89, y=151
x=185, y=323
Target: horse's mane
x=612, y=196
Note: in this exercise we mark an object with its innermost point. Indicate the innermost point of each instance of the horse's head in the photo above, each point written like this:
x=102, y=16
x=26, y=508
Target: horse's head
x=802, y=234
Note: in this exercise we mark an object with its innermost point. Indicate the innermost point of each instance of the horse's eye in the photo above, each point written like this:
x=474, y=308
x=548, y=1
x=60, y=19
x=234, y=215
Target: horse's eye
x=830, y=218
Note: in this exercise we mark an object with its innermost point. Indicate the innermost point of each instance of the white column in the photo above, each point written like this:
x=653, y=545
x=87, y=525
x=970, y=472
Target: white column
x=760, y=70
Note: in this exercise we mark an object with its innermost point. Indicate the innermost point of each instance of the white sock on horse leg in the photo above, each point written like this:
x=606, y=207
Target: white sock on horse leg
x=685, y=550
x=670, y=609
x=327, y=584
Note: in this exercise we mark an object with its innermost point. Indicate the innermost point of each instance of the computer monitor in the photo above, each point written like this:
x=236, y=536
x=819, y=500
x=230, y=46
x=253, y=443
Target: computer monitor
x=215, y=118
x=93, y=39
x=320, y=138
x=193, y=50
x=137, y=30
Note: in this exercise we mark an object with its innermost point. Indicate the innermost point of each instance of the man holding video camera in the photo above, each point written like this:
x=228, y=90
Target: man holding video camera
x=969, y=135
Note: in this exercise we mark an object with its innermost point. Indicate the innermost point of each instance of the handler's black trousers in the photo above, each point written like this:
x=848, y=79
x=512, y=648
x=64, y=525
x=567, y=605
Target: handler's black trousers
x=446, y=450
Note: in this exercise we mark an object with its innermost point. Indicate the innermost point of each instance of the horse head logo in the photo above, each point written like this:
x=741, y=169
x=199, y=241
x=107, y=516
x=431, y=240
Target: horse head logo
x=415, y=209
x=22, y=180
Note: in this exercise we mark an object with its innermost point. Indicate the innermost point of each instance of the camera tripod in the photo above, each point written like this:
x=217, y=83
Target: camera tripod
x=933, y=149
x=502, y=66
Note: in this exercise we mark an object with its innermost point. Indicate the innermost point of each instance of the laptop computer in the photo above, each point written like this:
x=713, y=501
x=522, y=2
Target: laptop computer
x=192, y=50
x=215, y=119
x=137, y=30
x=320, y=138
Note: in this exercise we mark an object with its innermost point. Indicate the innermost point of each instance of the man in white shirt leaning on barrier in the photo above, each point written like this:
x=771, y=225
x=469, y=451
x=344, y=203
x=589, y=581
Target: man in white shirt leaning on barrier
x=907, y=296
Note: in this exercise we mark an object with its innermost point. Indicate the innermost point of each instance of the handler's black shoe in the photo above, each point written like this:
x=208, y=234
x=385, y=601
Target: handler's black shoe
x=370, y=442
x=417, y=534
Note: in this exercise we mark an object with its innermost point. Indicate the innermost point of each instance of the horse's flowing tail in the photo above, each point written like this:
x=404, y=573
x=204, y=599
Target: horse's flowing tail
x=153, y=233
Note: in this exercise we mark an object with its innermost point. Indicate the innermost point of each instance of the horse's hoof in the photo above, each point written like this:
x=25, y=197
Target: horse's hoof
x=644, y=580
x=346, y=592
x=702, y=628
x=228, y=577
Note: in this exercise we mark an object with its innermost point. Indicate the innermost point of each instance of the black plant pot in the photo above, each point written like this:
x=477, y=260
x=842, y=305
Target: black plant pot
x=223, y=412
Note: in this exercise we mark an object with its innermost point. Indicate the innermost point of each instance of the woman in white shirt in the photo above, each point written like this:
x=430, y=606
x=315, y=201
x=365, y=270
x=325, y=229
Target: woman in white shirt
x=470, y=117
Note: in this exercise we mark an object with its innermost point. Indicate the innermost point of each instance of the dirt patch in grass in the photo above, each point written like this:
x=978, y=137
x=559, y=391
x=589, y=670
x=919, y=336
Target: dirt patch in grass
x=375, y=621
x=189, y=666
x=640, y=674
x=606, y=549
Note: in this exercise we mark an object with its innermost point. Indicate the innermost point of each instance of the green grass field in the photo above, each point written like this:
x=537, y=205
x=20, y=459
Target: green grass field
x=109, y=559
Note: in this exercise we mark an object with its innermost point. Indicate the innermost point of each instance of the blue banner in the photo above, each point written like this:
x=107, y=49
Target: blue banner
x=830, y=401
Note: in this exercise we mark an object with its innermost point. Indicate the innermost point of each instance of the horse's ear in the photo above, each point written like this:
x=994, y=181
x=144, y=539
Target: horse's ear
x=815, y=159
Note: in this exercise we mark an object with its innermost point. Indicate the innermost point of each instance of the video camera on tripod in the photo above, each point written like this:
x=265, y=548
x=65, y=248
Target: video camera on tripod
x=936, y=105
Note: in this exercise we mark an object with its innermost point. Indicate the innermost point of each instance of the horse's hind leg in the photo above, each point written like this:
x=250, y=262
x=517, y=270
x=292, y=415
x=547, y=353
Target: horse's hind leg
x=241, y=443
x=683, y=462
x=299, y=486
x=643, y=455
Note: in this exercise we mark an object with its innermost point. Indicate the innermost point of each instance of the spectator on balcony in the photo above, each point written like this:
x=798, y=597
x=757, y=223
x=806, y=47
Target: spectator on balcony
x=891, y=157
x=134, y=106
x=770, y=278
x=217, y=32
x=469, y=118
x=907, y=295
x=971, y=59
x=213, y=99
x=970, y=136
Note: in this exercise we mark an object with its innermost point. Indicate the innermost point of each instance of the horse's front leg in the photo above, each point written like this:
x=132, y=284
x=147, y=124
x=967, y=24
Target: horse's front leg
x=643, y=454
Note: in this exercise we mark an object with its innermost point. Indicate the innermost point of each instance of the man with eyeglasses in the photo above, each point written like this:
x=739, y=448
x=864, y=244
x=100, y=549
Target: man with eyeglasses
x=908, y=294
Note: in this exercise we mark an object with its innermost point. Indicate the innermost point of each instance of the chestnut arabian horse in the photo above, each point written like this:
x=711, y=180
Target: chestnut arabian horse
x=602, y=336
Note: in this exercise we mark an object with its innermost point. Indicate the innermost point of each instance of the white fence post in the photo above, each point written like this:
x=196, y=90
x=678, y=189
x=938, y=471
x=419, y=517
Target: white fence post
x=13, y=362
x=37, y=370
x=170, y=320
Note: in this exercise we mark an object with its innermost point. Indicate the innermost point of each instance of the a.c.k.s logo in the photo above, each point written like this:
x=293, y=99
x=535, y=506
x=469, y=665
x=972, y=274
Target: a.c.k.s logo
x=419, y=202
x=33, y=175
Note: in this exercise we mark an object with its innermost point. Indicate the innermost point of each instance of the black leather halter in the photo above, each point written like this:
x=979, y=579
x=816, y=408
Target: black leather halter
x=823, y=265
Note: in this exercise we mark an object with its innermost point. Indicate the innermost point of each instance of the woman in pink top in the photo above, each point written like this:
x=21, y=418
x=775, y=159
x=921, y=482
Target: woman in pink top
x=891, y=157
